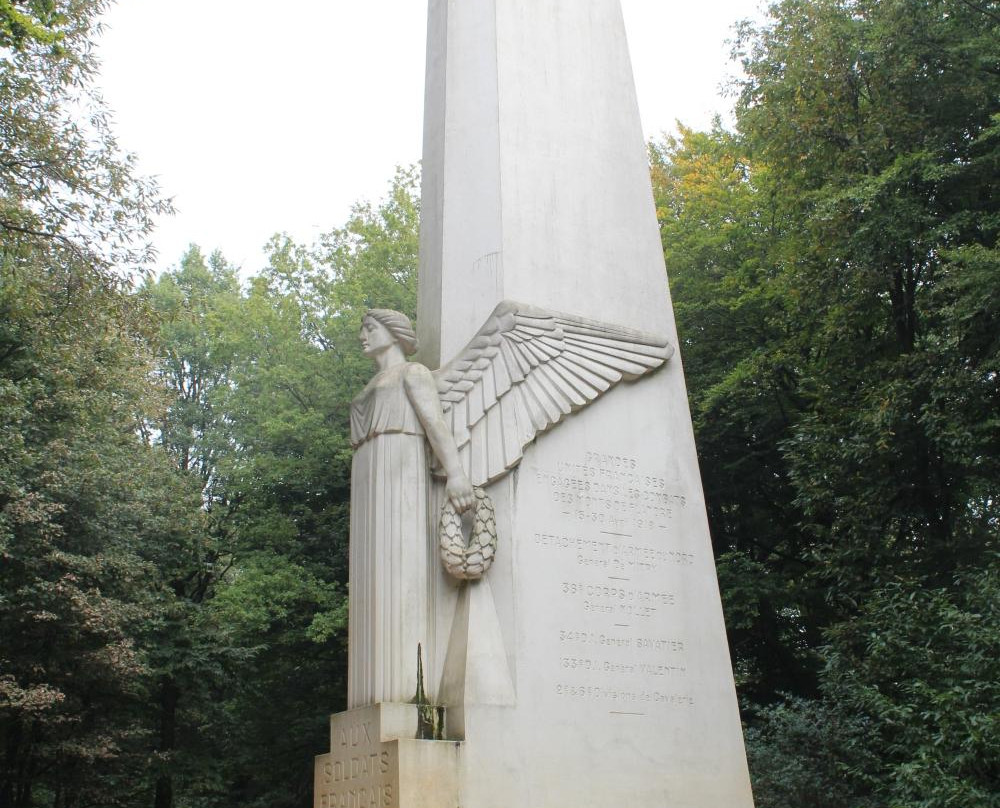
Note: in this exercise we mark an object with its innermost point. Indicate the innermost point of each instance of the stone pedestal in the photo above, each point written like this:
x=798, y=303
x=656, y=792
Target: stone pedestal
x=379, y=759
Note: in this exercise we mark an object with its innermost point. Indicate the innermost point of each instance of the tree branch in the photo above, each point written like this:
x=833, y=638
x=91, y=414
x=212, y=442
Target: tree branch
x=969, y=4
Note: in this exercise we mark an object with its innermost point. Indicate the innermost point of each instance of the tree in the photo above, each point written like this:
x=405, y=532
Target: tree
x=880, y=116
x=84, y=504
x=22, y=21
x=834, y=261
x=68, y=198
x=297, y=368
x=908, y=713
x=193, y=654
x=724, y=241
x=254, y=656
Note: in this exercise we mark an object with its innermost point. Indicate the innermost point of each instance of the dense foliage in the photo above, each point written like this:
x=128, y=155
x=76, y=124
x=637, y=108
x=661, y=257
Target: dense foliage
x=85, y=506
x=261, y=380
x=174, y=462
x=836, y=270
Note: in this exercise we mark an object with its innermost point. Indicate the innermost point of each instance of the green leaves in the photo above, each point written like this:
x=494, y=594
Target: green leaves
x=84, y=508
x=908, y=713
x=253, y=654
x=26, y=21
x=936, y=727
x=834, y=268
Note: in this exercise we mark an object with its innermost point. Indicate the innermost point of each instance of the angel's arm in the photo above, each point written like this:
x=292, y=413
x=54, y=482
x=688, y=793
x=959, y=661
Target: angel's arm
x=422, y=392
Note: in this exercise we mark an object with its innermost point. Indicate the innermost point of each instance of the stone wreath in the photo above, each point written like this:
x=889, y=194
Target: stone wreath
x=468, y=562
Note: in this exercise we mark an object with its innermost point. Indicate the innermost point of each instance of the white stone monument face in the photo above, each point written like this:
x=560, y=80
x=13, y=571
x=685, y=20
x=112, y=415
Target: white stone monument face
x=522, y=374
x=589, y=664
x=577, y=641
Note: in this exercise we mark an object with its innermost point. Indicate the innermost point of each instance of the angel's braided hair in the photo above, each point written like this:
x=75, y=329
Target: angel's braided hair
x=399, y=326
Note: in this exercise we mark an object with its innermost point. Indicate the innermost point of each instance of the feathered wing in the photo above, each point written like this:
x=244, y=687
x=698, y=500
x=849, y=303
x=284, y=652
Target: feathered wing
x=525, y=371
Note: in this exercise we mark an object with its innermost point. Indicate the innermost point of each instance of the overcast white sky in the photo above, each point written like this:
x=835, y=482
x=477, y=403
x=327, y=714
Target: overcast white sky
x=259, y=117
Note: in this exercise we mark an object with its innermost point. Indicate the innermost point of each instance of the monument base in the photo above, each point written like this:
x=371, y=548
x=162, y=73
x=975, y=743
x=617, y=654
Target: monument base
x=388, y=756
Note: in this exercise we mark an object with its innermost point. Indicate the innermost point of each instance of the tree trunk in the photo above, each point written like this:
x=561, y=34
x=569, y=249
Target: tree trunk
x=169, y=696
x=15, y=781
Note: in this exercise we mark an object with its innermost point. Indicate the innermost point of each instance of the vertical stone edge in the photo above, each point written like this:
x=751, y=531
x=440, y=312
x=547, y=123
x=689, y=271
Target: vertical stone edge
x=461, y=264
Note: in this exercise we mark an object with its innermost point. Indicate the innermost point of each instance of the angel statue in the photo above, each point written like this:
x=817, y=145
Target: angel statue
x=524, y=372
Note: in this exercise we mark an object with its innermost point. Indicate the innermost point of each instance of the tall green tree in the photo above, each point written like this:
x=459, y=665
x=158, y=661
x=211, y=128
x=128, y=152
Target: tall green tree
x=85, y=508
x=193, y=655
x=298, y=366
x=724, y=237
x=882, y=119
x=835, y=266
x=196, y=361
x=85, y=505
x=261, y=376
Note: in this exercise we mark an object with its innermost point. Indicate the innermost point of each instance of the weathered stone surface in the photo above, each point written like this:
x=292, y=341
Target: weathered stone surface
x=376, y=762
x=536, y=188
x=589, y=665
x=524, y=372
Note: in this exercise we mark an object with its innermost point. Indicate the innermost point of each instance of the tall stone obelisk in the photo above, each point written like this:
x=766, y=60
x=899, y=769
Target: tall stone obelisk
x=603, y=608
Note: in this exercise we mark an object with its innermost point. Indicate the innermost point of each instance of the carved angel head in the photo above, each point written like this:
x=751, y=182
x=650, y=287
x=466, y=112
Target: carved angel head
x=381, y=324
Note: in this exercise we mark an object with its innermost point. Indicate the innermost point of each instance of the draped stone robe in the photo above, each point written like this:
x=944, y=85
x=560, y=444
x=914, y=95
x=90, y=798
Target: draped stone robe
x=389, y=571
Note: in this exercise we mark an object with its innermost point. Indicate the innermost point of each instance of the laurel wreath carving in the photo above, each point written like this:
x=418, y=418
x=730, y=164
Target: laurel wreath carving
x=468, y=562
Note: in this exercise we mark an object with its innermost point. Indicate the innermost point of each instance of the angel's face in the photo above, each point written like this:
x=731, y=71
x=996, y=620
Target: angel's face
x=375, y=337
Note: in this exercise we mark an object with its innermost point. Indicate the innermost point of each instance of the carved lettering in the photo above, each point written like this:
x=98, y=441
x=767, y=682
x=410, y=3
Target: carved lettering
x=610, y=535
x=358, y=772
x=355, y=735
x=376, y=796
x=620, y=695
x=626, y=668
x=624, y=600
x=611, y=640
x=613, y=553
x=611, y=491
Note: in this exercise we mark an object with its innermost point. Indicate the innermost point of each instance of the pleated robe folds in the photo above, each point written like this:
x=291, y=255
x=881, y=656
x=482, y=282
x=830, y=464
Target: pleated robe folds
x=389, y=570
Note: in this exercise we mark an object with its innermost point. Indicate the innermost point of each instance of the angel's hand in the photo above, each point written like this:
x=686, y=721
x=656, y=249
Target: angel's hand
x=459, y=491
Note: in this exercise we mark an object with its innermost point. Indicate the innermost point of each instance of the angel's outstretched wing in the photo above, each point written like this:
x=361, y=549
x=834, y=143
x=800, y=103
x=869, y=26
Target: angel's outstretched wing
x=525, y=371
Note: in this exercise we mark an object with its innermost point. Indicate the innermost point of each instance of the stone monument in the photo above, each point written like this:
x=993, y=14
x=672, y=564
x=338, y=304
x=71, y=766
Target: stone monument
x=572, y=649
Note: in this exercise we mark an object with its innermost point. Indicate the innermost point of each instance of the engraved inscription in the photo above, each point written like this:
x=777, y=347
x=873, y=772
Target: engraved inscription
x=357, y=773
x=366, y=796
x=629, y=669
x=613, y=538
x=611, y=491
x=612, y=640
x=360, y=767
x=616, y=555
x=622, y=600
x=614, y=694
